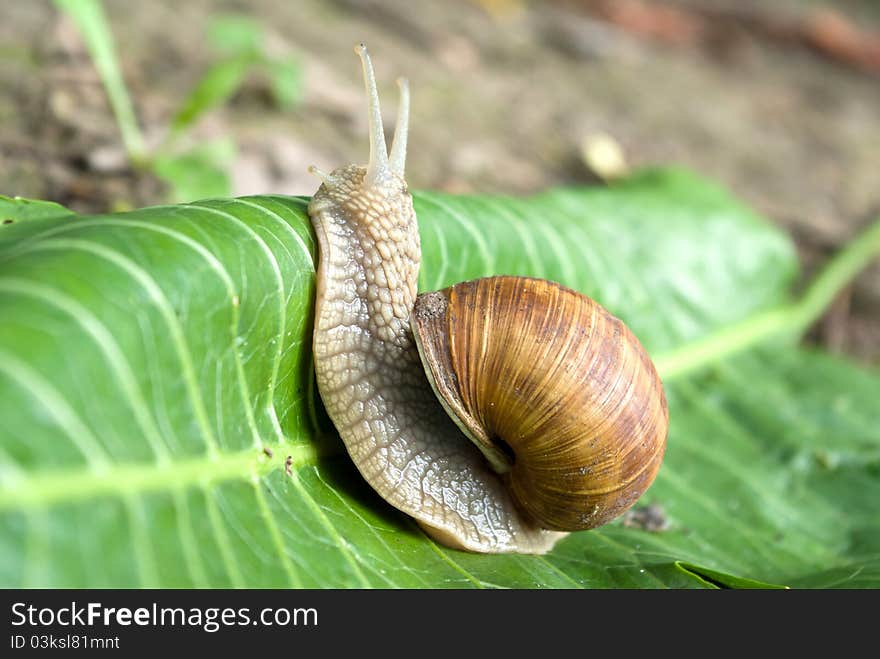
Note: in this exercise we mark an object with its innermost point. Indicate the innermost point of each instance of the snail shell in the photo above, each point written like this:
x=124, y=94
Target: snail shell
x=557, y=393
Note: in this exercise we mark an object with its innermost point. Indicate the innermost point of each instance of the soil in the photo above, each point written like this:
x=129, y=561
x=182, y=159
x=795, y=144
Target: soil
x=780, y=102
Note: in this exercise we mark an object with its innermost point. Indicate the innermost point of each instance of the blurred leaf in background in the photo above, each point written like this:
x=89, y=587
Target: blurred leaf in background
x=232, y=34
x=242, y=44
x=240, y=36
x=200, y=172
x=191, y=172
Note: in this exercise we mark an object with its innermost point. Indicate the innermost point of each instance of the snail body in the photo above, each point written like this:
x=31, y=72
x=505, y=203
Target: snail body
x=499, y=413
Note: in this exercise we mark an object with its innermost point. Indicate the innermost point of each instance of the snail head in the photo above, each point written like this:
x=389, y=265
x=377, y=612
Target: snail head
x=378, y=188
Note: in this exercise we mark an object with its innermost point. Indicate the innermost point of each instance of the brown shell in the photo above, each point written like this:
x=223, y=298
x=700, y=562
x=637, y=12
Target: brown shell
x=555, y=391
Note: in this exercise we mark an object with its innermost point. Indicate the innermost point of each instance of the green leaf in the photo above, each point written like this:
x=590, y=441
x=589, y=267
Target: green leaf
x=19, y=209
x=285, y=79
x=149, y=359
x=199, y=173
x=234, y=34
x=14, y=211
x=722, y=580
x=217, y=85
x=242, y=38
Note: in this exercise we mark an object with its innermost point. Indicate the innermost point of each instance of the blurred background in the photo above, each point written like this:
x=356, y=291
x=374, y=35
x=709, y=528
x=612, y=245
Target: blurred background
x=778, y=101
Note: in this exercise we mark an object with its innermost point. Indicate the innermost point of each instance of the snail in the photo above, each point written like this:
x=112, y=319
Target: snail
x=500, y=413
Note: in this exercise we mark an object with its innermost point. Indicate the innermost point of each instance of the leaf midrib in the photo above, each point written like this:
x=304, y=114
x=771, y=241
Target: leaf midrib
x=53, y=485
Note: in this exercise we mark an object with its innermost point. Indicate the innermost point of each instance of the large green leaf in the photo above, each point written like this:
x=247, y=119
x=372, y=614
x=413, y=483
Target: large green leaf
x=155, y=375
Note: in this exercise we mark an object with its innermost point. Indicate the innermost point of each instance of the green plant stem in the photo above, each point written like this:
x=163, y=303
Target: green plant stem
x=89, y=18
x=837, y=274
x=791, y=319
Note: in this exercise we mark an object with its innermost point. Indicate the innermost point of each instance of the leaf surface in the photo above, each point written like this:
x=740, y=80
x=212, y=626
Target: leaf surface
x=155, y=373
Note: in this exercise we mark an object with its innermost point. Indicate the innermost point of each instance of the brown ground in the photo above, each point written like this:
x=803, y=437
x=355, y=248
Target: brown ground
x=779, y=101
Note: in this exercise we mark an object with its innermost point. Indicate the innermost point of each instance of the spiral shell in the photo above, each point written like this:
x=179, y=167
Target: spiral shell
x=559, y=394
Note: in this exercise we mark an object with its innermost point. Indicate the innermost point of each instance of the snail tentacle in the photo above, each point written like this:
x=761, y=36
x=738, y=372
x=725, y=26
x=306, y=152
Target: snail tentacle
x=397, y=160
x=377, y=168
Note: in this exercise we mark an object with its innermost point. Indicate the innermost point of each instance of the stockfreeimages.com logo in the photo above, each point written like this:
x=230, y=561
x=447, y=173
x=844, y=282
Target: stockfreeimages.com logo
x=210, y=619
